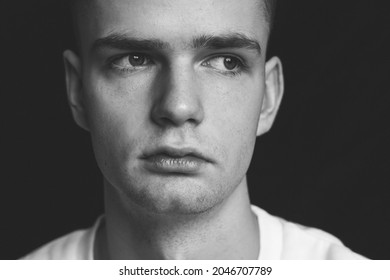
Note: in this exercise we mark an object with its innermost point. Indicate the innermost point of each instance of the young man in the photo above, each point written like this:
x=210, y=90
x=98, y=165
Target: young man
x=174, y=94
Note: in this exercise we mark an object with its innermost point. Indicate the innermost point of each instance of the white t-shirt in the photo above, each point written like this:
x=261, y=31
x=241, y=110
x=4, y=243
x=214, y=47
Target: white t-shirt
x=279, y=240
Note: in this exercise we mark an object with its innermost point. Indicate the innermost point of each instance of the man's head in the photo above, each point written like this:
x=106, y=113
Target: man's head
x=174, y=94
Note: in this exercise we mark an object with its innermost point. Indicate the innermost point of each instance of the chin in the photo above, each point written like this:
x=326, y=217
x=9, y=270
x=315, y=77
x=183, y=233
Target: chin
x=179, y=196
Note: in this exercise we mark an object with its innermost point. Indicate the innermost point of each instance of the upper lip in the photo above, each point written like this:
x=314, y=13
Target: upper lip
x=176, y=153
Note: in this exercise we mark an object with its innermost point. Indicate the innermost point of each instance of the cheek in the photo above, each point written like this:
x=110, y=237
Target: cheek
x=114, y=118
x=236, y=118
x=114, y=105
x=239, y=109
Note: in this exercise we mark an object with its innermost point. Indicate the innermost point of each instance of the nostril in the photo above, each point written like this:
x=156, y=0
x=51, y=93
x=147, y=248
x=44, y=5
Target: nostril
x=177, y=110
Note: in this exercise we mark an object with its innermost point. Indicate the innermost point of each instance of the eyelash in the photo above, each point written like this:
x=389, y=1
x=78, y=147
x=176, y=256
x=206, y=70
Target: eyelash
x=241, y=66
x=113, y=62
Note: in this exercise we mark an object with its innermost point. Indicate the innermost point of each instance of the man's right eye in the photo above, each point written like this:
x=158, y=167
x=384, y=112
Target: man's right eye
x=131, y=62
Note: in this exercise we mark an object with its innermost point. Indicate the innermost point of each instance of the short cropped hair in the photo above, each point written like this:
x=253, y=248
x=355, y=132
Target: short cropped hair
x=268, y=6
x=269, y=11
x=79, y=7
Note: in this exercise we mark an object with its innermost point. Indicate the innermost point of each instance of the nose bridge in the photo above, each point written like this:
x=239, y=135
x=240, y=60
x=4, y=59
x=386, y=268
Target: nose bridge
x=179, y=100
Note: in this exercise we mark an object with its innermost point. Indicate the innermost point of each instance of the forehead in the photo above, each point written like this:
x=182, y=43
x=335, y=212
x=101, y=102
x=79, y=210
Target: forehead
x=174, y=21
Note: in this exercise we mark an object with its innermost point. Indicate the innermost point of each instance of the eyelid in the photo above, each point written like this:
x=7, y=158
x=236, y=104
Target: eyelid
x=114, y=62
x=241, y=67
x=225, y=55
x=123, y=56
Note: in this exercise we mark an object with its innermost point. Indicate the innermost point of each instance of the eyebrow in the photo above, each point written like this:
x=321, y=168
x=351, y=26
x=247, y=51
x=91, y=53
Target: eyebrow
x=235, y=41
x=123, y=42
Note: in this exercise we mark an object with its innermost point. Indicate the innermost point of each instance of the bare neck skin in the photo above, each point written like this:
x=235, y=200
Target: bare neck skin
x=228, y=231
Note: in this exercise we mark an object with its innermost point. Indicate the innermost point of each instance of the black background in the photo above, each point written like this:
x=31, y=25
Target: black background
x=325, y=163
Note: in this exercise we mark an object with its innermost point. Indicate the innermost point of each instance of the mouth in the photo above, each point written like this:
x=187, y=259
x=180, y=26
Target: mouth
x=167, y=160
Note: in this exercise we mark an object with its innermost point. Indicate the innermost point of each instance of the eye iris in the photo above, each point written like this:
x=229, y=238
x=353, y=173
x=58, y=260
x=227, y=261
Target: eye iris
x=136, y=60
x=230, y=63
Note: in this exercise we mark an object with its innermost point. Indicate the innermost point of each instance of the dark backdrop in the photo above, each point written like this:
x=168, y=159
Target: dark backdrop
x=325, y=163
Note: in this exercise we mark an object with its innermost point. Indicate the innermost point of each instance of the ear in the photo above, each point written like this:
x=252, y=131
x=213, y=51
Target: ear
x=74, y=88
x=274, y=88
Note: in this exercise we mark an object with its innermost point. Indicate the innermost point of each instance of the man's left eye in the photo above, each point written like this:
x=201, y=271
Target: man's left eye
x=224, y=63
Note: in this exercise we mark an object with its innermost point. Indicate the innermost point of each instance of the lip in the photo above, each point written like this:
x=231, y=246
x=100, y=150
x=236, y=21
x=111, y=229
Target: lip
x=168, y=160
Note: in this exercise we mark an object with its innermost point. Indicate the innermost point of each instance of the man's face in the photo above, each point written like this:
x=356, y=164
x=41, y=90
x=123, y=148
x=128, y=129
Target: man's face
x=172, y=92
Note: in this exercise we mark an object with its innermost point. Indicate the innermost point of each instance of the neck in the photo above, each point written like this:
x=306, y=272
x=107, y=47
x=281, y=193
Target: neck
x=227, y=231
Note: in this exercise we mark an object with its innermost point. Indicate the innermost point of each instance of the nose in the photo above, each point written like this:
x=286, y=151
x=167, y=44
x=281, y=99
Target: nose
x=178, y=99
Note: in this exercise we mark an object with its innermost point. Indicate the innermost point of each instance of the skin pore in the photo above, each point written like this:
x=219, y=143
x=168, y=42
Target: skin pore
x=174, y=94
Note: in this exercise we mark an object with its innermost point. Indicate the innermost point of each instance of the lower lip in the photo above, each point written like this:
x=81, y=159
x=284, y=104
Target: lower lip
x=180, y=165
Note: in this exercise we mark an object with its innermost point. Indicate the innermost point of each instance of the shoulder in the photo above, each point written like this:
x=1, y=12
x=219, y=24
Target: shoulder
x=77, y=245
x=305, y=242
x=295, y=241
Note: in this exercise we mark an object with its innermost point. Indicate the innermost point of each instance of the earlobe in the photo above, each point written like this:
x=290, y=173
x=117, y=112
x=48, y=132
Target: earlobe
x=74, y=88
x=274, y=88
